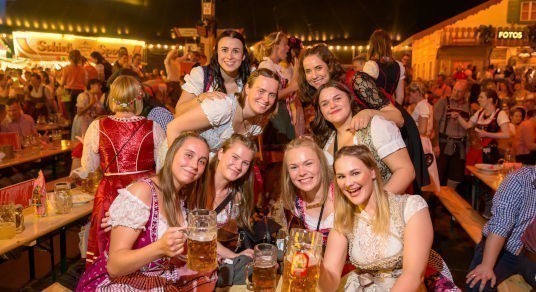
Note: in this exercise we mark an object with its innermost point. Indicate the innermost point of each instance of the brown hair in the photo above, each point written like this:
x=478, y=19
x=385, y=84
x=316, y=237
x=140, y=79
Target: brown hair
x=171, y=196
x=243, y=185
x=380, y=46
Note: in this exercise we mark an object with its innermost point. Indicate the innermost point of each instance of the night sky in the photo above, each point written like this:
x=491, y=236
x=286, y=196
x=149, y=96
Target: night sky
x=342, y=19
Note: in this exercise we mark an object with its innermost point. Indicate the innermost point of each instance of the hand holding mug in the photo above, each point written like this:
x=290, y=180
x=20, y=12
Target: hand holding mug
x=172, y=242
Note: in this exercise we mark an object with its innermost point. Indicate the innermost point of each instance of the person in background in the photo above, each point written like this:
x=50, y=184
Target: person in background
x=440, y=88
x=359, y=62
x=104, y=68
x=408, y=71
x=451, y=136
x=137, y=65
x=148, y=220
x=525, y=140
x=172, y=62
x=497, y=255
x=387, y=236
x=91, y=72
x=88, y=106
x=17, y=121
x=38, y=98
x=74, y=81
x=124, y=146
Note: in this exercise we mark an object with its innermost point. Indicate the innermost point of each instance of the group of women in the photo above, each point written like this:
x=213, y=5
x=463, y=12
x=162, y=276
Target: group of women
x=344, y=182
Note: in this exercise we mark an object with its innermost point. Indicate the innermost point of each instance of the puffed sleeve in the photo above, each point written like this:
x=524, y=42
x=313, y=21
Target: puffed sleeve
x=218, y=111
x=193, y=82
x=371, y=68
x=129, y=211
x=502, y=117
x=414, y=204
x=159, y=138
x=90, y=154
x=386, y=136
x=423, y=110
x=474, y=117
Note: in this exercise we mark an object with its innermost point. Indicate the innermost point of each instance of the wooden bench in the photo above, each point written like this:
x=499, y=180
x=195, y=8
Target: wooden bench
x=472, y=222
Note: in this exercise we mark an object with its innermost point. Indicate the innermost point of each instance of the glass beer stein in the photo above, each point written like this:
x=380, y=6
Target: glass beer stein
x=63, y=200
x=303, y=257
x=263, y=269
x=8, y=221
x=202, y=233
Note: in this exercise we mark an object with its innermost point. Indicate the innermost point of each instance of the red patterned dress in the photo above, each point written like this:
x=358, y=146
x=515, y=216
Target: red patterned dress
x=124, y=148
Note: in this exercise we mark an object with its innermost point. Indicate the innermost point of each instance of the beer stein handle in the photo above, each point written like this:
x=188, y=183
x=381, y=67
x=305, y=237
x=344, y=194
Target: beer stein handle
x=249, y=276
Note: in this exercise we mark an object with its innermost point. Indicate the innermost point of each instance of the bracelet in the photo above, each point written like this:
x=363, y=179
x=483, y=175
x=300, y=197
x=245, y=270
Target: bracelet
x=198, y=99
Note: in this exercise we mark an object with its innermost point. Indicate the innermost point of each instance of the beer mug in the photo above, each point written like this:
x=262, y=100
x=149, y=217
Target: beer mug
x=201, y=244
x=63, y=201
x=263, y=269
x=8, y=221
x=303, y=257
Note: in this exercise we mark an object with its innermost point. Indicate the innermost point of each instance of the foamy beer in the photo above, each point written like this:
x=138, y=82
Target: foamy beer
x=202, y=230
x=264, y=266
x=302, y=261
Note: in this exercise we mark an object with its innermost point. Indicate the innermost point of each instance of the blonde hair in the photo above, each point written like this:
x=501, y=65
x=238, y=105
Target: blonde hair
x=126, y=95
x=345, y=210
x=265, y=47
x=289, y=191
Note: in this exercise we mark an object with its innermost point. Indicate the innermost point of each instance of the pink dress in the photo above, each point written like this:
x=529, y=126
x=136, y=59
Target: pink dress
x=158, y=275
x=102, y=143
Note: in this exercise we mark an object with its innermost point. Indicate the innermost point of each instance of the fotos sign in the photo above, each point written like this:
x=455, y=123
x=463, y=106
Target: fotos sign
x=56, y=47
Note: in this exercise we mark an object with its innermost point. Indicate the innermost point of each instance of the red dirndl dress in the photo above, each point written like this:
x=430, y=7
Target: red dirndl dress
x=134, y=161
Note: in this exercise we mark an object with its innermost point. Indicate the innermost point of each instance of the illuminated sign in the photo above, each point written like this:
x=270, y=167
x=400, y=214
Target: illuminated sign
x=53, y=46
x=510, y=35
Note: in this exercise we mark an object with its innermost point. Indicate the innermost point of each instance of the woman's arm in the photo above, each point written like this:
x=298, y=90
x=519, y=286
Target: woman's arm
x=402, y=171
x=229, y=254
x=418, y=237
x=333, y=263
x=185, y=97
x=465, y=124
x=422, y=125
x=389, y=112
x=191, y=120
x=124, y=260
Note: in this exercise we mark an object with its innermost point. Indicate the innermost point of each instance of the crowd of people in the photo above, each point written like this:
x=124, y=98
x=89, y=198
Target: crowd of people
x=358, y=146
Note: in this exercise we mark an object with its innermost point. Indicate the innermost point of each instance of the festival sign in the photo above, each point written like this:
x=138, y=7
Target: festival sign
x=53, y=46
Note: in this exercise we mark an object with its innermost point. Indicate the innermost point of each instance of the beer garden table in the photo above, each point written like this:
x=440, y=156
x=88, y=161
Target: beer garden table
x=492, y=179
x=39, y=228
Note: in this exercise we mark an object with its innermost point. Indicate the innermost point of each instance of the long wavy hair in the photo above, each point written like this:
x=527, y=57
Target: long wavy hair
x=321, y=128
x=172, y=196
x=345, y=210
x=214, y=65
x=380, y=46
x=243, y=185
x=288, y=190
x=336, y=72
x=265, y=47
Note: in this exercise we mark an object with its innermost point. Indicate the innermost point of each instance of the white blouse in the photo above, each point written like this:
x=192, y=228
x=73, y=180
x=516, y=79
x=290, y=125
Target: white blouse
x=386, y=138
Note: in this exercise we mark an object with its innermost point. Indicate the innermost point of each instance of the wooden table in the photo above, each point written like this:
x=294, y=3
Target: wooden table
x=36, y=228
x=490, y=179
x=31, y=154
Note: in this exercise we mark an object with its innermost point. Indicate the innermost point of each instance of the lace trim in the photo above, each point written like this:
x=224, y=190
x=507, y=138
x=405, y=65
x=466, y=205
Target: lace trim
x=131, y=119
x=129, y=211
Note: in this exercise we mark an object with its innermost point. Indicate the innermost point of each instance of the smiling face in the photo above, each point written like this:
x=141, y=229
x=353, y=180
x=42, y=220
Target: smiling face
x=235, y=161
x=316, y=71
x=262, y=95
x=334, y=105
x=304, y=168
x=354, y=179
x=483, y=100
x=189, y=161
x=517, y=118
x=230, y=55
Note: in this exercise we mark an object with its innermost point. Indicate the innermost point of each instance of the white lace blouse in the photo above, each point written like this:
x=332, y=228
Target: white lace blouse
x=386, y=138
